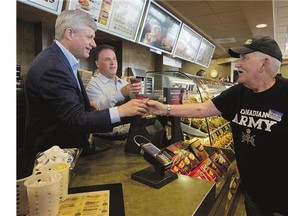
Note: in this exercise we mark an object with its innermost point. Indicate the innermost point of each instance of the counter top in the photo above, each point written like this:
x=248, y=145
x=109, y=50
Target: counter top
x=184, y=196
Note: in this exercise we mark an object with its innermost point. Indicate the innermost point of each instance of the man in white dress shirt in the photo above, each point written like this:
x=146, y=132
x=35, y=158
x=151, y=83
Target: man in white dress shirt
x=106, y=90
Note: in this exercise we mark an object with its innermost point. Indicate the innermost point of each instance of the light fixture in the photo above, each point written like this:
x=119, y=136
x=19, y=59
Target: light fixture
x=262, y=25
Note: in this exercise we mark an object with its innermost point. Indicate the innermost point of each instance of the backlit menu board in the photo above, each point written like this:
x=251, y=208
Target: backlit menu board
x=126, y=18
x=54, y=7
x=118, y=17
x=188, y=44
x=205, y=53
x=100, y=10
x=160, y=29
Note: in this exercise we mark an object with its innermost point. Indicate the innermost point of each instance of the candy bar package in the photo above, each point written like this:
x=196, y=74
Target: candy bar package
x=221, y=163
x=211, y=170
x=199, y=150
x=183, y=162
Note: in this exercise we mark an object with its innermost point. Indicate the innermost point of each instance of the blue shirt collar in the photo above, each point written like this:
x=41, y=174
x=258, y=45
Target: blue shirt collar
x=72, y=61
x=71, y=58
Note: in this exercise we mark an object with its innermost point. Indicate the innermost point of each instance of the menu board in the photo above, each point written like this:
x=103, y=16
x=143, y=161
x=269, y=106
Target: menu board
x=188, y=44
x=205, y=53
x=118, y=17
x=100, y=10
x=54, y=7
x=160, y=29
x=126, y=18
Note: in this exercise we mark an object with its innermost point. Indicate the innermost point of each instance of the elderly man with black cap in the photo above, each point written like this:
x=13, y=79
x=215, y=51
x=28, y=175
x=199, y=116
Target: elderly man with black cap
x=257, y=108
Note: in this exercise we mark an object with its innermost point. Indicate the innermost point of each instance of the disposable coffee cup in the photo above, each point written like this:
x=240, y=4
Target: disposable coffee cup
x=141, y=97
x=63, y=169
x=135, y=80
x=43, y=192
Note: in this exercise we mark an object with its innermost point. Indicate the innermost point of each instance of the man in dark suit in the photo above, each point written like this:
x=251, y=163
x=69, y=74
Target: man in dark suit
x=58, y=109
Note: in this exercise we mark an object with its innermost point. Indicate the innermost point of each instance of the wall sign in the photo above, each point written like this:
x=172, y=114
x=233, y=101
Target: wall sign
x=160, y=28
x=172, y=62
x=117, y=17
x=188, y=44
x=51, y=6
x=205, y=53
x=100, y=10
x=126, y=18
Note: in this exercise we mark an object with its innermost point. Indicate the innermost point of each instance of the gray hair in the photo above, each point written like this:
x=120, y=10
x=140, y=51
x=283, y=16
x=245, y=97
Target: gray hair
x=274, y=65
x=74, y=19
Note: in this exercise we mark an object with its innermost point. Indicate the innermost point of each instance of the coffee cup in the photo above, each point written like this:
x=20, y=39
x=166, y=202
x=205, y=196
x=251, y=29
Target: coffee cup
x=141, y=97
x=135, y=80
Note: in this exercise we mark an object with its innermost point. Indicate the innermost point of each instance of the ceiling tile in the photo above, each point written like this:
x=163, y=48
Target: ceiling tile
x=224, y=6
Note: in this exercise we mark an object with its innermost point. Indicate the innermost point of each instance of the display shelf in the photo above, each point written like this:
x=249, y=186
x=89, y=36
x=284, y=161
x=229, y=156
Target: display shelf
x=221, y=127
x=226, y=193
x=193, y=131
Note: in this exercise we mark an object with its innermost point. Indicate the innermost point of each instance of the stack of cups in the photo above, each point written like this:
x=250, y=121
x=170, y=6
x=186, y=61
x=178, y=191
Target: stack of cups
x=63, y=169
x=43, y=192
x=22, y=199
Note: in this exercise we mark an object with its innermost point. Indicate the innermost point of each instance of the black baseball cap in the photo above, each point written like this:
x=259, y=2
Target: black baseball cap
x=262, y=44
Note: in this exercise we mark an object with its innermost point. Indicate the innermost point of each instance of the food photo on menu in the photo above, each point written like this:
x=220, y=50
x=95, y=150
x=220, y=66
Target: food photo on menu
x=160, y=29
x=188, y=44
x=155, y=34
x=85, y=4
x=98, y=9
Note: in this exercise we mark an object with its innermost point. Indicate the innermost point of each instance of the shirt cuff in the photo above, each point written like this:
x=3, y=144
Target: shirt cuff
x=114, y=115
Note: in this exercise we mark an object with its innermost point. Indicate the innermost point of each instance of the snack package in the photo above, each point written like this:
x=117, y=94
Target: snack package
x=200, y=174
x=220, y=161
x=183, y=162
x=199, y=150
x=219, y=151
x=213, y=166
x=212, y=173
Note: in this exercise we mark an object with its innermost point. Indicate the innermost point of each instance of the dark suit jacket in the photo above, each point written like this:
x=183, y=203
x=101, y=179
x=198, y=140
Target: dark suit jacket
x=58, y=113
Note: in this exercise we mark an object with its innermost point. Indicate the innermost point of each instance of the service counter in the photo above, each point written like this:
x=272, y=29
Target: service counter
x=184, y=196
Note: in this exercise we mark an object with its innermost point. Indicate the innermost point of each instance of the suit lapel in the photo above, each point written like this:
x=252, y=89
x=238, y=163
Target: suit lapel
x=57, y=49
x=84, y=94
